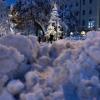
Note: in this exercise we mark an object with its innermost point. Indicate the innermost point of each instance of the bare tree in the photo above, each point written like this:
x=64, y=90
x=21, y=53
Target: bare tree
x=35, y=12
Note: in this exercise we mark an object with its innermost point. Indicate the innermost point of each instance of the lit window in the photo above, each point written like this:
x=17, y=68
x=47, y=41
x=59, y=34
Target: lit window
x=91, y=24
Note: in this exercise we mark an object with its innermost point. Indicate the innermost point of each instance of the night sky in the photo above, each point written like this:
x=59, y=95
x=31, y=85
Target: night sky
x=9, y=2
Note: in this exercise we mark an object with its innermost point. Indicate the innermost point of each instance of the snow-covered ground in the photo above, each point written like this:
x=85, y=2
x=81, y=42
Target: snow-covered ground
x=63, y=70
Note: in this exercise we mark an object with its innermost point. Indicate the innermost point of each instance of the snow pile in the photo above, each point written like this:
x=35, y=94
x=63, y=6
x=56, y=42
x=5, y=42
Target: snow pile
x=5, y=95
x=44, y=61
x=93, y=35
x=56, y=48
x=44, y=49
x=26, y=73
x=63, y=70
x=15, y=87
x=12, y=58
x=82, y=62
x=27, y=46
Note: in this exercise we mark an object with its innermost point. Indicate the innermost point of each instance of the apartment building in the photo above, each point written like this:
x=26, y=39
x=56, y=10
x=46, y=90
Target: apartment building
x=87, y=12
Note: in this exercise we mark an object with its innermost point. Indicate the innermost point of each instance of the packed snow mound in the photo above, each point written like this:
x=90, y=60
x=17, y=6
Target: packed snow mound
x=10, y=59
x=5, y=95
x=56, y=48
x=93, y=34
x=26, y=46
x=32, y=96
x=35, y=45
x=15, y=87
x=44, y=49
x=82, y=62
x=44, y=61
x=31, y=78
x=65, y=68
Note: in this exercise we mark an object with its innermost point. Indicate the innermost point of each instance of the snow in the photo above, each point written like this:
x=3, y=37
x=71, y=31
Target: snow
x=15, y=87
x=93, y=34
x=35, y=45
x=57, y=96
x=44, y=49
x=93, y=49
x=56, y=48
x=6, y=95
x=32, y=96
x=44, y=61
x=67, y=68
x=10, y=58
x=31, y=78
x=25, y=45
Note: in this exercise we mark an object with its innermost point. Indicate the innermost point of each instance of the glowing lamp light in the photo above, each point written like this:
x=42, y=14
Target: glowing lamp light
x=83, y=33
x=71, y=33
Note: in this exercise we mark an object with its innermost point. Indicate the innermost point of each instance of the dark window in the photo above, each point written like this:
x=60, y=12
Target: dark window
x=1, y=16
x=77, y=4
x=77, y=13
x=83, y=22
x=90, y=11
x=71, y=6
x=83, y=2
x=90, y=1
x=90, y=19
x=83, y=12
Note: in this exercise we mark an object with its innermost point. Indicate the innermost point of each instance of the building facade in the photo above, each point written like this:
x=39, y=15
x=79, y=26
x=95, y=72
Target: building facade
x=87, y=12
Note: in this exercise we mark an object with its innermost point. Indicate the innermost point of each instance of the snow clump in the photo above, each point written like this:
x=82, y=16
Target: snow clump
x=63, y=70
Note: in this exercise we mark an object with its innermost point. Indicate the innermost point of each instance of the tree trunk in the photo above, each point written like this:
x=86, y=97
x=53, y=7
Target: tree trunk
x=38, y=27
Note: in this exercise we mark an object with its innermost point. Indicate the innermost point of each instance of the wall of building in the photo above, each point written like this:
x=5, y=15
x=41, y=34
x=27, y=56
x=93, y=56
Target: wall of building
x=89, y=13
x=86, y=11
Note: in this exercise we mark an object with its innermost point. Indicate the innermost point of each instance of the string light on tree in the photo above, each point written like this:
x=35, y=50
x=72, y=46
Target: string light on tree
x=54, y=26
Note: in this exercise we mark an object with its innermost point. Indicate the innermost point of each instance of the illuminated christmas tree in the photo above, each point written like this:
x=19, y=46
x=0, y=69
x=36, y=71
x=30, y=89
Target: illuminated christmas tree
x=54, y=26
